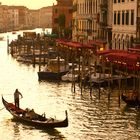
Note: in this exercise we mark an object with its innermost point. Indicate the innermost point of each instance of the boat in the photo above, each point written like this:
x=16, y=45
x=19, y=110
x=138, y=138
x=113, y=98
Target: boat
x=130, y=99
x=71, y=76
x=23, y=59
x=54, y=70
x=40, y=121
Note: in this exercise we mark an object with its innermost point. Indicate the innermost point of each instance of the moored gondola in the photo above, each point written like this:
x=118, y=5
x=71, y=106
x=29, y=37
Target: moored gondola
x=40, y=121
x=131, y=101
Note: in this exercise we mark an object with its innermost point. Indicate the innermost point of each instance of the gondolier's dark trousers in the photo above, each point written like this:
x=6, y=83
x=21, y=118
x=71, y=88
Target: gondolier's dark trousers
x=17, y=102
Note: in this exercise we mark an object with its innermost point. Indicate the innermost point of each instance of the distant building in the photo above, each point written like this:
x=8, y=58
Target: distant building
x=45, y=17
x=13, y=16
x=23, y=17
x=34, y=18
x=4, y=19
x=19, y=17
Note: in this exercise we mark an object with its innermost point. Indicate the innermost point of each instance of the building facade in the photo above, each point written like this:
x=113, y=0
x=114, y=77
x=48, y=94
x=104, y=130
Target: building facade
x=4, y=18
x=45, y=17
x=124, y=27
x=20, y=17
x=13, y=17
x=62, y=17
x=92, y=20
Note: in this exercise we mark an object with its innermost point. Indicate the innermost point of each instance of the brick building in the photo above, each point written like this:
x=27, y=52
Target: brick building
x=62, y=17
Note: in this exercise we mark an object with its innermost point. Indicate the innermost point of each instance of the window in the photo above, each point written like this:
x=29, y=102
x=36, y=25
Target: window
x=114, y=17
x=132, y=17
x=118, y=21
x=123, y=0
x=118, y=1
x=114, y=1
x=122, y=17
x=127, y=18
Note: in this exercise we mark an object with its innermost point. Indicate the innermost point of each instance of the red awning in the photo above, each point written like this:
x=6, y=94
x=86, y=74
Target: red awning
x=124, y=58
x=135, y=50
x=75, y=44
x=104, y=52
x=97, y=42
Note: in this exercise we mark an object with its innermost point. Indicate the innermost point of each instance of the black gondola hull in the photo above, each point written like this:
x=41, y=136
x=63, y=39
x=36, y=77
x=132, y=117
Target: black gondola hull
x=50, y=75
x=130, y=102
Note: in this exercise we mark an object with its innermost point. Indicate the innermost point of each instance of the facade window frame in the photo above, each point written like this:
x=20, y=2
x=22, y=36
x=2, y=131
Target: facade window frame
x=132, y=17
x=123, y=17
x=118, y=18
x=115, y=17
x=127, y=18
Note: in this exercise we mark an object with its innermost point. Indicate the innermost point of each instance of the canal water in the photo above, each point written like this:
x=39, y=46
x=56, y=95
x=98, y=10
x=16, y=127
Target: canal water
x=89, y=119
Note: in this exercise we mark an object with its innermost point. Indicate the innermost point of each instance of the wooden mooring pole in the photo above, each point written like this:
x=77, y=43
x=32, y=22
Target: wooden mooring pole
x=8, y=44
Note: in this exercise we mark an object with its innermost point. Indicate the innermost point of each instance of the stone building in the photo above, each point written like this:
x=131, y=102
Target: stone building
x=124, y=27
x=92, y=20
x=4, y=19
x=34, y=18
x=45, y=17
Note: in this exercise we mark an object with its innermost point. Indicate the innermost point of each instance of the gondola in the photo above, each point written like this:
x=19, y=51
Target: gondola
x=130, y=102
x=47, y=75
x=41, y=121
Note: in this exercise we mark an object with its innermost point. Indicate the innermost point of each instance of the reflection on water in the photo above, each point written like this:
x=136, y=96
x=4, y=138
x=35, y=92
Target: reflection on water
x=88, y=119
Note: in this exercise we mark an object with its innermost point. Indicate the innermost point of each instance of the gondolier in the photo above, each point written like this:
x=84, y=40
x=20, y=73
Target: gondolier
x=16, y=98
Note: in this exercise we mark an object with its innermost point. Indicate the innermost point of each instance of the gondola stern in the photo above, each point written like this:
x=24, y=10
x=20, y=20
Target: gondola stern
x=67, y=122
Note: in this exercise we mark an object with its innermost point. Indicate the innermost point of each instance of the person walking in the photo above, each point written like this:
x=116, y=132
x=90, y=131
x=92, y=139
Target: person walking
x=16, y=98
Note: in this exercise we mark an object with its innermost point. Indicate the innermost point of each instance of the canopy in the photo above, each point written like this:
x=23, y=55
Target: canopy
x=73, y=44
x=97, y=42
x=124, y=58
